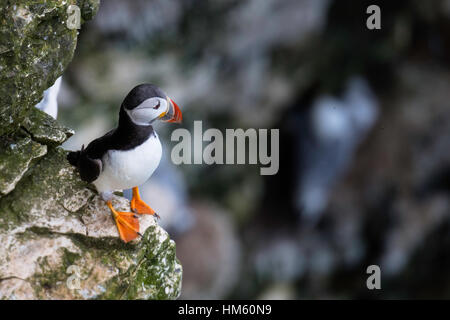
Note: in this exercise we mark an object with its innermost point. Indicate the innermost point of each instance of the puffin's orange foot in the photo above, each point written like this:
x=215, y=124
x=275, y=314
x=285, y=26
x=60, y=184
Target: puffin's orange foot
x=139, y=206
x=127, y=224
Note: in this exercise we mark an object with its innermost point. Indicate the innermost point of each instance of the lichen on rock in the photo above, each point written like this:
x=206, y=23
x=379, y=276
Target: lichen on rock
x=44, y=129
x=16, y=155
x=58, y=238
x=45, y=235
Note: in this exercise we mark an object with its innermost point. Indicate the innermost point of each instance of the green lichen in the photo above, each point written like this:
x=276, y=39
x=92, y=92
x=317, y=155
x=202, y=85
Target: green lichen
x=16, y=156
x=88, y=8
x=35, y=48
x=51, y=178
x=44, y=129
x=19, y=151
x=156, y=273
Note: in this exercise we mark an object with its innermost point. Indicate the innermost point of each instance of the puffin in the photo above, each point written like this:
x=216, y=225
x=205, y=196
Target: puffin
x=126, y=156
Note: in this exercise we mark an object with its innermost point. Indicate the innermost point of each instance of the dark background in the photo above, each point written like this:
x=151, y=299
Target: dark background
x=364, y=139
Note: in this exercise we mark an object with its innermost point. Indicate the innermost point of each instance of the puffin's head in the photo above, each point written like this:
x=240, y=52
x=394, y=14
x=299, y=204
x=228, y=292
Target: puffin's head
x=146, y=103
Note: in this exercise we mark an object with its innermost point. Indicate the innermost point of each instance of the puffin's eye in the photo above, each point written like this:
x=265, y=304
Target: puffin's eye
x=157, y=106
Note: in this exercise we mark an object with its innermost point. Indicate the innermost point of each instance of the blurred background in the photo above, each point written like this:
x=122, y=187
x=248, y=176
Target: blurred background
x=364, y=125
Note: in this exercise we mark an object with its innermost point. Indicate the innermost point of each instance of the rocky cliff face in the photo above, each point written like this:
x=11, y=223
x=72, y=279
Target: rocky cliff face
x=58, y=238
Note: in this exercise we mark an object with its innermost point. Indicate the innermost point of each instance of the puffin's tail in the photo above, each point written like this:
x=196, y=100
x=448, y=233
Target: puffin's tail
x=74, y=156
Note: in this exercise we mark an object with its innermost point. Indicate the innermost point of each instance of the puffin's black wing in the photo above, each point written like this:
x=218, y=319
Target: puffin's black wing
x=89, y=168
x=88, y=161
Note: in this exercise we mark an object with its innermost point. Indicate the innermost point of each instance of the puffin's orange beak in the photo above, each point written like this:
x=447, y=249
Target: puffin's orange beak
x=176, y=114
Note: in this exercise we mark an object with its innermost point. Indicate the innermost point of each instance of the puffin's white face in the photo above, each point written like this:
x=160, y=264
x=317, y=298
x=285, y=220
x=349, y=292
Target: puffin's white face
x=148, y=111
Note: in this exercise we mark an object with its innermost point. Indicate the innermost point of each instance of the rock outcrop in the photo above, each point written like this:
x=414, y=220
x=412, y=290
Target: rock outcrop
x=58, y=238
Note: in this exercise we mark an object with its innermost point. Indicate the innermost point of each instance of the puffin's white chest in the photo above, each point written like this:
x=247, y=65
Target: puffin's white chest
x=129, y=168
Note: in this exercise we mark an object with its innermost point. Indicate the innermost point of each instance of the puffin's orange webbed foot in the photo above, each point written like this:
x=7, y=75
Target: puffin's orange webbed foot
x=127, y=224
x=139, y=206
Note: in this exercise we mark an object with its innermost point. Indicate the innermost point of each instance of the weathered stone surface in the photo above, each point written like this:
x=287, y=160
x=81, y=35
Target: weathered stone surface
x=35, y=48
x=18, y=151
x=44, y=129
x=51, y=221
x=15, y=158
